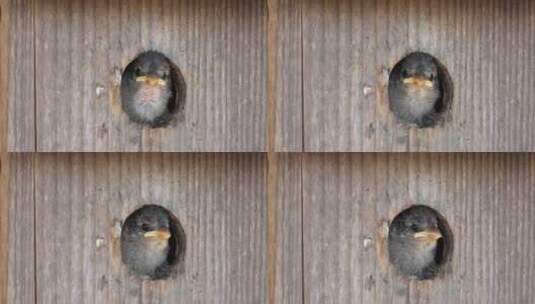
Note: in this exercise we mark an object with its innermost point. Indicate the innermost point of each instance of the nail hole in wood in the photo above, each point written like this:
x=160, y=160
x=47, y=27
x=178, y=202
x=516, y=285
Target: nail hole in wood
x=420, y=90
x=153, y=243
x=420, y=243
x=153, y=90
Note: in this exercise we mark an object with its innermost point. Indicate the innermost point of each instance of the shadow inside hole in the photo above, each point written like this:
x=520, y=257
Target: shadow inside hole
x=405, y=256
x=174, y=105
x=409, y=109
x=134, y=248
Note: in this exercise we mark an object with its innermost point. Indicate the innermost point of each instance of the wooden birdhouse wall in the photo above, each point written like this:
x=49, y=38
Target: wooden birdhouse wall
x=295, y=88
x=81, y=200
x=349, y=48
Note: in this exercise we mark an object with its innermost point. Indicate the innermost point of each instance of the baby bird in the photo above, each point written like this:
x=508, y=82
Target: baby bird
x=414, y=243
x=415, y=90
x=147, y=90
x=145, y=242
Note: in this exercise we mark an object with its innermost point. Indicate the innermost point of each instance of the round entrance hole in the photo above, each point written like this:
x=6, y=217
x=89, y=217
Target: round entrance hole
x=420, y=242
x=420, y=90
x=153, y=242
x=153, y=90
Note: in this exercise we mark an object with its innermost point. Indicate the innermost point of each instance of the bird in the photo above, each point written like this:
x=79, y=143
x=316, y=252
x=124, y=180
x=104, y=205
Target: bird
x=148, y=89
x=147, y=242
x=416, y=243
x=415, y=90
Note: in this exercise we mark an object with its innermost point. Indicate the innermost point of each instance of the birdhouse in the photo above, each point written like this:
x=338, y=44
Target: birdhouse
x=267, y=151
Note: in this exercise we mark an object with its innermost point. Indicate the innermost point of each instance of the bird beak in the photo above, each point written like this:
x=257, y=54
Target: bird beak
x=418, y=82
x=429, y=235
x=151, y=80
x=161, y=234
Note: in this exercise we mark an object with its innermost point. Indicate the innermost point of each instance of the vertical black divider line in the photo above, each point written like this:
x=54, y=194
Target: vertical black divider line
x=272, y=157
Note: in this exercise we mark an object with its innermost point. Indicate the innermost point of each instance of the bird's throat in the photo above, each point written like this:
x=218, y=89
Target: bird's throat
x=150, y=94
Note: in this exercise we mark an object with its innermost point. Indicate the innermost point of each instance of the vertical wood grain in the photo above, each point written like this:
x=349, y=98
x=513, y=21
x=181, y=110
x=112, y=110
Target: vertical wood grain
x=4, y=157
x=288, y=203
x=289, y=81
x=4, y=226
x=82, y=47
x=20, y=82
x=219, y=199
x=350, y=46
x=20, y=244
x=486, y=198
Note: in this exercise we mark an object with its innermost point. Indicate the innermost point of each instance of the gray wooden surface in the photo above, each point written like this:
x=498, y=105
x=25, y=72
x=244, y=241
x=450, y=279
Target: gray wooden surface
x=73, y=250
x=4, y=156
x=219, y=199
x=346, y=201
x=349, y=47
x=288, y=271
x=288, y=69
x=330, y=74
x=82, y=46
x=20, y=83
x=21, y=249
x=488, y=200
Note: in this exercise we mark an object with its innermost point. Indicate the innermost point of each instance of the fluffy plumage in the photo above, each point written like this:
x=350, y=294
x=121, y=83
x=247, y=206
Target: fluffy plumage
x=412, y=254
x=415, y=90
x=148, y=89
x=144, y=254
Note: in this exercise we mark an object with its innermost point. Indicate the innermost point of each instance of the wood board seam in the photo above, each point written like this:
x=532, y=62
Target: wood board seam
x=272, y=157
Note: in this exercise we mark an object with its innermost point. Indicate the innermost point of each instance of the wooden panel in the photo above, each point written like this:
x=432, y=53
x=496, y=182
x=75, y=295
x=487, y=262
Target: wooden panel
x=288, y=227
x=4, y=227
x=486, y=198
x=349, y=47
x=82, y=47
x=21, y=136
x=219, y=199
x=21, y=274
x=289, y=82
x=4, y=156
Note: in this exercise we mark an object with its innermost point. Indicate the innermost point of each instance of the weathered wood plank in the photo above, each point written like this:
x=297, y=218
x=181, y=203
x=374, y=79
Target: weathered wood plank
x=4, y=227
x=4, y=156
x=289, y=82
x=349, y=47
x=288, y=257
x=486, y=198
x=81, y=47
x=219, y=199
x=20, y=87
x=21, y=250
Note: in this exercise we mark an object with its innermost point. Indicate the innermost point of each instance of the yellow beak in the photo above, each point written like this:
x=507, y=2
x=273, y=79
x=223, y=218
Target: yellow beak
x=429, y=235
x=161, y=234
x=418, y=81
x=152, y=81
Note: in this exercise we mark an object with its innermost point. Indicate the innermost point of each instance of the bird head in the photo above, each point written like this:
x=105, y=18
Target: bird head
x=149, y=224
x=152, y=69
x=419, y=226
x=419, y=72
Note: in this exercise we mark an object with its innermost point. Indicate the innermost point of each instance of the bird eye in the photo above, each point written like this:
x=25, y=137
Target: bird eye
x=414, y=227
x=137, y=71
x=165, y=76
x=405, y=73
x=145, y=227
x=432, y=77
